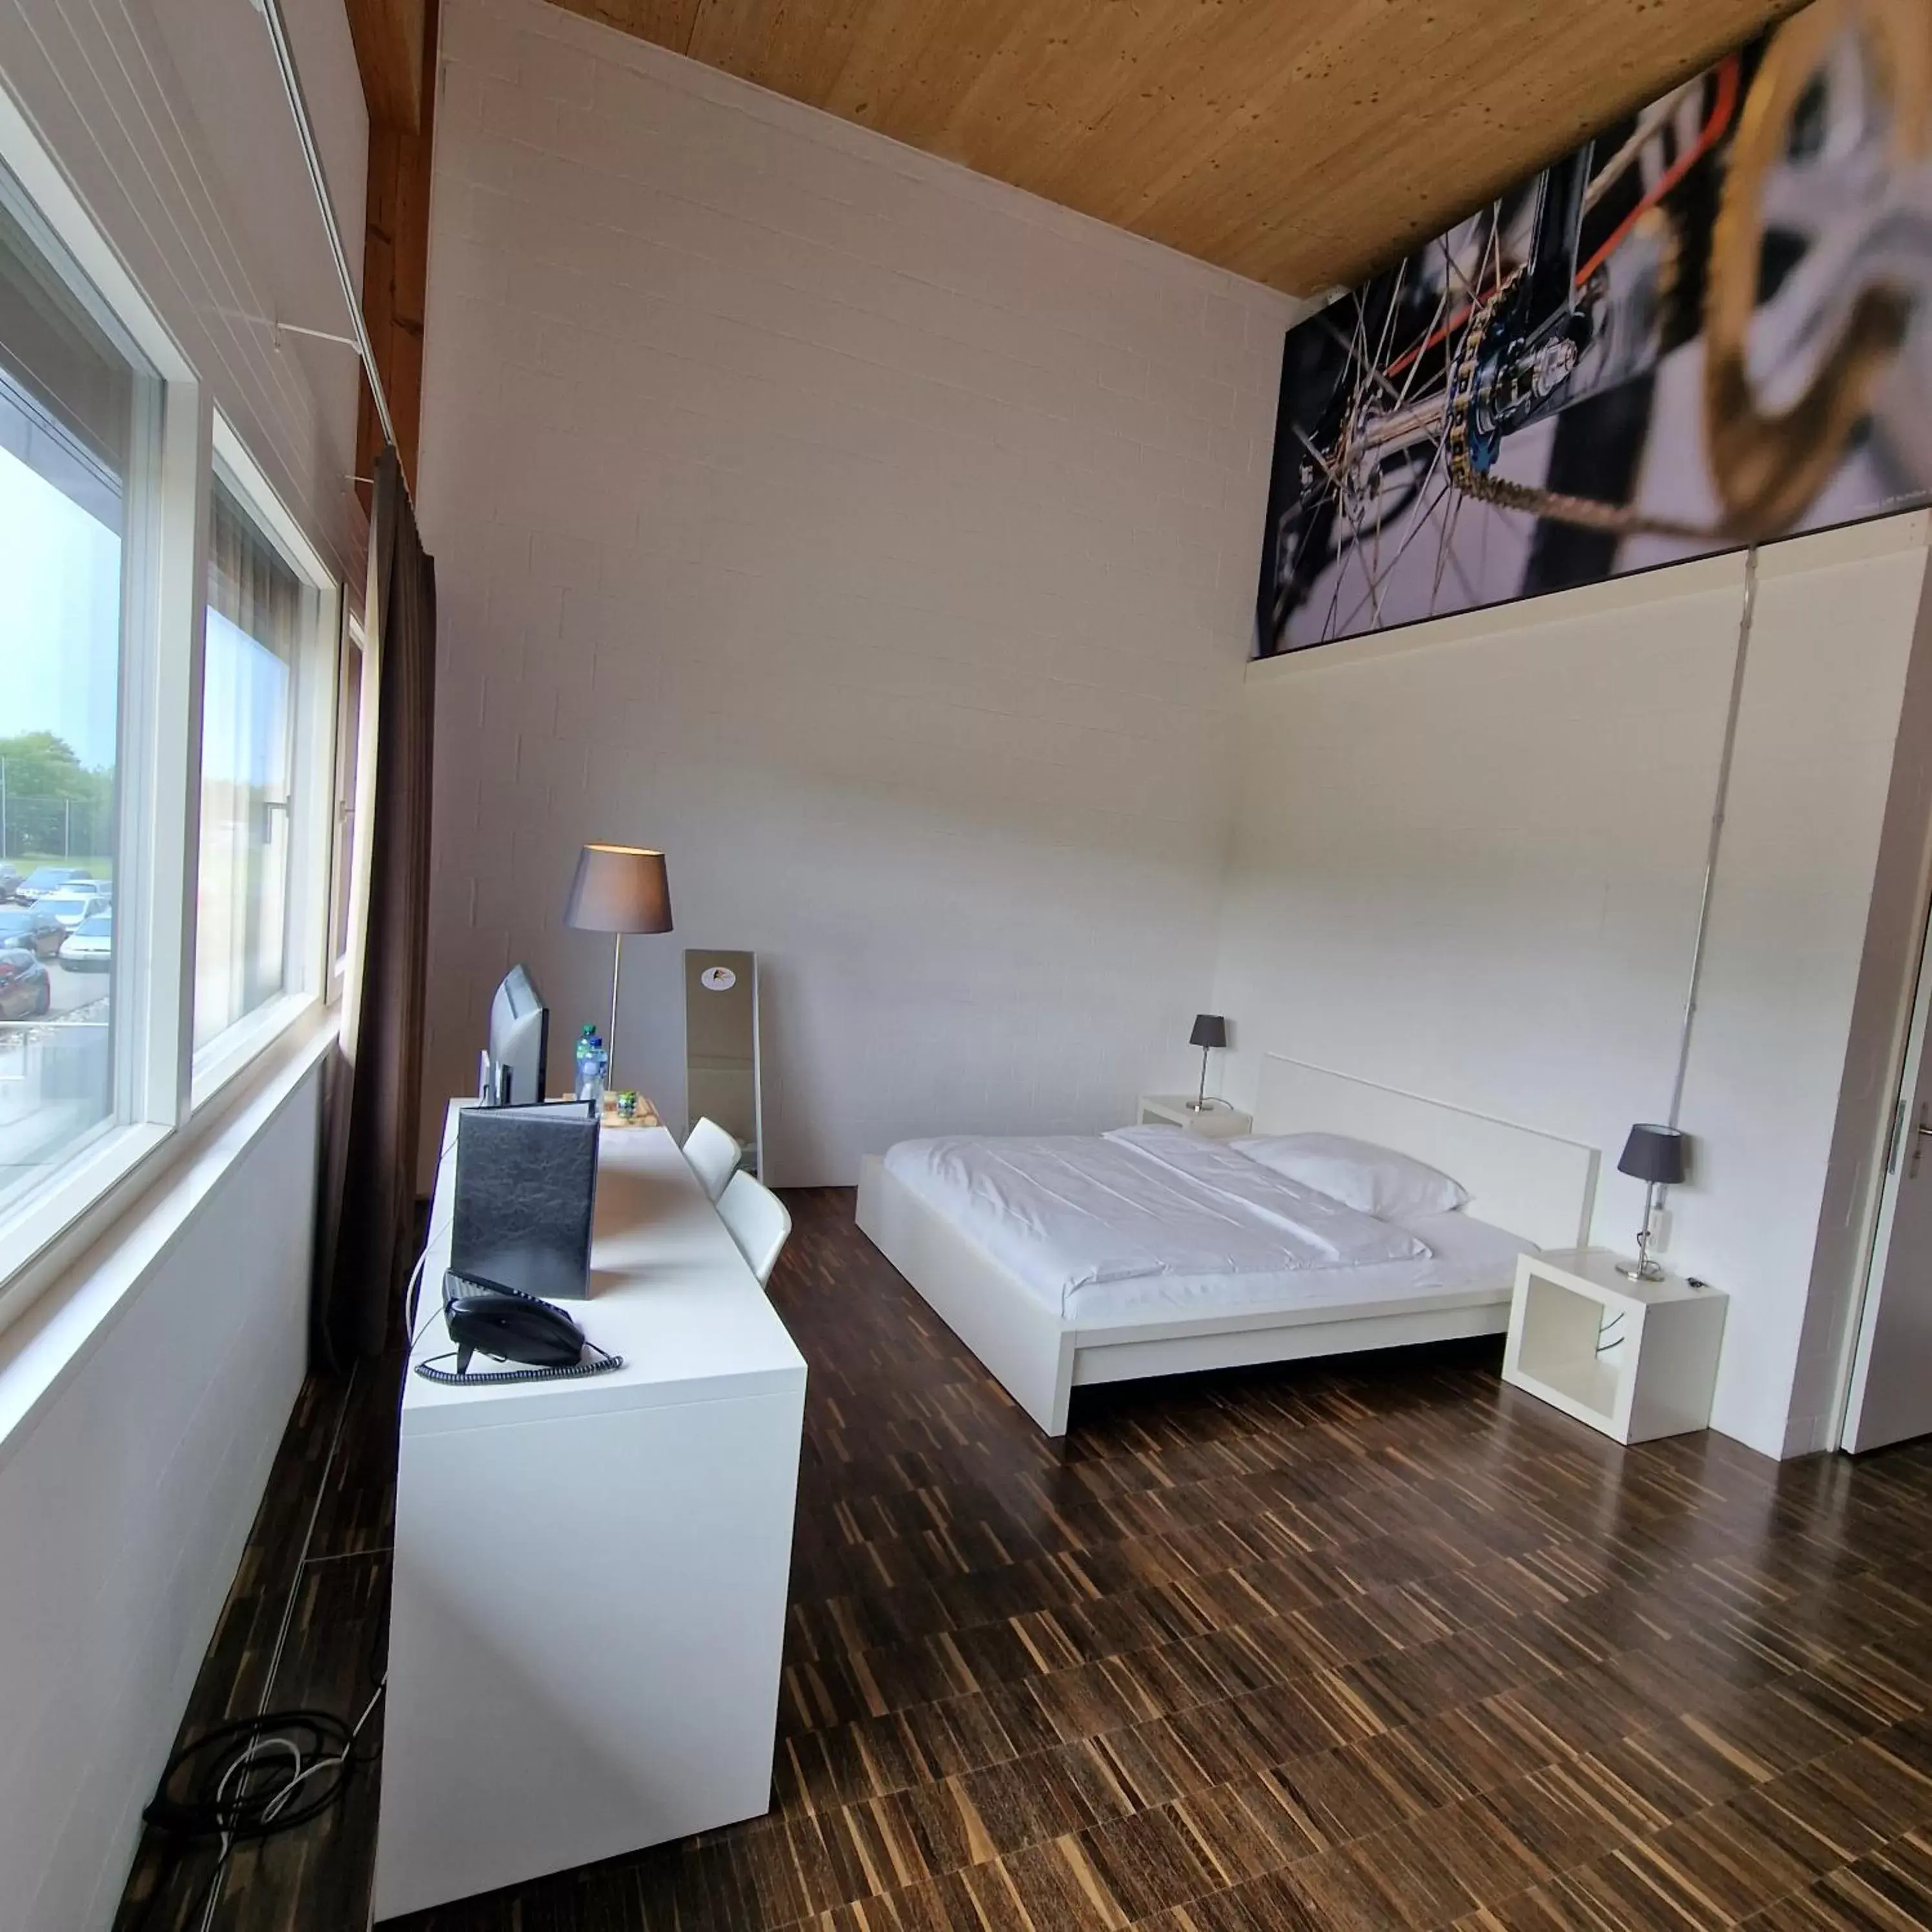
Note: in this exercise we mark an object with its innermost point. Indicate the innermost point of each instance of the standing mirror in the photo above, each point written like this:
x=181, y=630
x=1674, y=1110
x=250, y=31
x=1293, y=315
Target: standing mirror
x=720, y=1046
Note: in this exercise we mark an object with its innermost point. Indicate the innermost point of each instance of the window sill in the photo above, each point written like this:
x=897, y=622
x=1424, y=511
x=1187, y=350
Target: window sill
x=231, y=1053
x=93, y=1273
x=41, y=1222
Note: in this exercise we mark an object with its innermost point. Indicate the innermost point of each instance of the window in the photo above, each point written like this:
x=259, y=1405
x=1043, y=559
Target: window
x=260, y=884
x=80, y=456
x=117, y=553
x=348, y=774
x=259, y=613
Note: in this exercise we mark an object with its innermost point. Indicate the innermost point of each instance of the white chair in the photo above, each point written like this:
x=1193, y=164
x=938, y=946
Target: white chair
x=713, y=1155
x=759, y=1221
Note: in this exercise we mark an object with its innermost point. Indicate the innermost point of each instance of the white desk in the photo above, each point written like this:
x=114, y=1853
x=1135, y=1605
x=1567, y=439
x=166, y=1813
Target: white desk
x=588, y=1610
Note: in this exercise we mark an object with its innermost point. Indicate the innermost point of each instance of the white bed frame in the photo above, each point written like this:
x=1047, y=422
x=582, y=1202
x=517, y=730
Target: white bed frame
x=1534, y=1184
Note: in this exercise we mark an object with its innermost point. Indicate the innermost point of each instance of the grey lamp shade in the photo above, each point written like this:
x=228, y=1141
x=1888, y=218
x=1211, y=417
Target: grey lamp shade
x=1209, y=1029
x=619, y=889
x=1655, y=1154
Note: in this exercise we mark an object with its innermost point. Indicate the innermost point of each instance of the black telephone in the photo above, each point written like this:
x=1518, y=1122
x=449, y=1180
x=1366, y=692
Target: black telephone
x=486, y=1317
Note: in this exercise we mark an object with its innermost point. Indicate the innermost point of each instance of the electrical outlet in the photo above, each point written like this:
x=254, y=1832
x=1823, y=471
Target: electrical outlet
x=1659, y=1235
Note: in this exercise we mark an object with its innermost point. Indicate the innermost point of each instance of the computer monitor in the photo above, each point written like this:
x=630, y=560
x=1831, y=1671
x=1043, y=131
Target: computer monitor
x=519, y=1039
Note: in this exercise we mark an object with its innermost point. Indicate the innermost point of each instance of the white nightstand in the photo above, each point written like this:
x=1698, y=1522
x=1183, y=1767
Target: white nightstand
x=1219, y=1122
x=1636, y=1359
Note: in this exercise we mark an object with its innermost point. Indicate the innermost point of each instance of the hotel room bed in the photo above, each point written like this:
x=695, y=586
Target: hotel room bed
x=1078, y=1259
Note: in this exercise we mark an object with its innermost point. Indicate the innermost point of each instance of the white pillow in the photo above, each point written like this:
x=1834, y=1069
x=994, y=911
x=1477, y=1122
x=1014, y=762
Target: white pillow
x=1373, y=1180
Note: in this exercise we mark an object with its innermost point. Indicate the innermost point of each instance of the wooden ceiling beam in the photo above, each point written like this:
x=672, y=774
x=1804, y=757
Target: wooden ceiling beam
x=395, y=253
x=388, y=37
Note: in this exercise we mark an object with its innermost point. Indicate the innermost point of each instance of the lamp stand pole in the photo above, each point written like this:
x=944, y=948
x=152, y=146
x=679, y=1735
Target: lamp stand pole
x=610, y=1044
x=1201, y=1098
x=1646, y=1270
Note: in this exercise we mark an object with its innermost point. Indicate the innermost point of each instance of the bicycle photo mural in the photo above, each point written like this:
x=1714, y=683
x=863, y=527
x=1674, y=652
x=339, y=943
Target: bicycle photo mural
x=1704, y=328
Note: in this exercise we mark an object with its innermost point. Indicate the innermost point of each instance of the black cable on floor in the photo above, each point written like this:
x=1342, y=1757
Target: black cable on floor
x=249, y=1777
x=241, y=1779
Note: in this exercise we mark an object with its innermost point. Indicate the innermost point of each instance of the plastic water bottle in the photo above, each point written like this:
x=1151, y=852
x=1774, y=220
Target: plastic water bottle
x=590, y=1065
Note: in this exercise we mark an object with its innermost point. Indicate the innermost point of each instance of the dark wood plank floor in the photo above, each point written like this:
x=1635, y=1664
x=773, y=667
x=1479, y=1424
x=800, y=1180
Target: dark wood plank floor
x=1372, y=1644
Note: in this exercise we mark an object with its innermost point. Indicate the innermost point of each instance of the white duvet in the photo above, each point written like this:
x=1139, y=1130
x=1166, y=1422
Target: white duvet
x=1147, y=1220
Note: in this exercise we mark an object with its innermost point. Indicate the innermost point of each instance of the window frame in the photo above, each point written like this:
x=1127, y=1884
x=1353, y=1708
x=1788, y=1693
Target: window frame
x=154, y=748
x=169, y=1115
x=349, y=815
x=231, y=1051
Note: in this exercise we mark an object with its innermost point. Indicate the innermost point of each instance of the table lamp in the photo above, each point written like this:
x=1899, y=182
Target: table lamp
x=1655, y=1156
x=618, y=888
x=1210, y=1030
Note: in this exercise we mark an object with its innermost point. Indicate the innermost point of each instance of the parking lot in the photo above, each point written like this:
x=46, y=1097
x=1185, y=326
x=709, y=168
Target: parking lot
x=54, y=1077
x=73, y=990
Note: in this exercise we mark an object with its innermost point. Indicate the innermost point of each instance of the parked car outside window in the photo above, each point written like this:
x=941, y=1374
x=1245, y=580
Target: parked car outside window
x=89, y=947
x=72, y=903
x=28, y=926
x=25, y=992
x=45, y=879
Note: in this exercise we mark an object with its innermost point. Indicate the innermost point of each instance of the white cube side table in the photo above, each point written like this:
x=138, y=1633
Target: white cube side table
x=1635, y=1359
x=1215, y=1122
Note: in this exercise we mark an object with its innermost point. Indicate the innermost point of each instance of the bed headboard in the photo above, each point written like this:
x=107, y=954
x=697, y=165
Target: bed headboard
x=1531, y=1184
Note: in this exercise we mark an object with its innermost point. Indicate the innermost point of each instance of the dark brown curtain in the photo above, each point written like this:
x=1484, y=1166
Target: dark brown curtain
x=376, y=1083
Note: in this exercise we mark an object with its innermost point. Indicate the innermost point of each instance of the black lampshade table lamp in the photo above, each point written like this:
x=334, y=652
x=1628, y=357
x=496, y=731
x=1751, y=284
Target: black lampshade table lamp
x=618, y=888
x=1655, y=1156
x=1210, y=1030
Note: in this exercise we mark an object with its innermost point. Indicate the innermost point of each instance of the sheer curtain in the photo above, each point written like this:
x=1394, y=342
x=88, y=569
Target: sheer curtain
x=376, y=1082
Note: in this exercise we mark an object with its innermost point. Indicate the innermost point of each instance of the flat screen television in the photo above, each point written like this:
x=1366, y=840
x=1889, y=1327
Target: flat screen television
x=519, y=1040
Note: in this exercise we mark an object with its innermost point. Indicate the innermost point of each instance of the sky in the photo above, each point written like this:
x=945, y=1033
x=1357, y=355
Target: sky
x=60, y=623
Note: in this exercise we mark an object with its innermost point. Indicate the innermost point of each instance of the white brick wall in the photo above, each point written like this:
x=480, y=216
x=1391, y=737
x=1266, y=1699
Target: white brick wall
x=878, y=540
x=1468, y=864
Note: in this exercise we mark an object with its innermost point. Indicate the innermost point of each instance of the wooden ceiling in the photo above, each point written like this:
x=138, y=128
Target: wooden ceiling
x=1299, y=143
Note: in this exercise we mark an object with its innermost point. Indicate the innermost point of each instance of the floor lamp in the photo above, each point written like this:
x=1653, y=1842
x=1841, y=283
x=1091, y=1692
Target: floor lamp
x=618, y=888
